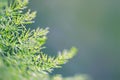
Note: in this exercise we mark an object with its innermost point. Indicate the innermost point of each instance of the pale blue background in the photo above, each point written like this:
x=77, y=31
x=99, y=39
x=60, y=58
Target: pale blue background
x=93, y=26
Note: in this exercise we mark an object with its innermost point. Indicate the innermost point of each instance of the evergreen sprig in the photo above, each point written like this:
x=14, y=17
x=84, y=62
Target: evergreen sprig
x=20, y=47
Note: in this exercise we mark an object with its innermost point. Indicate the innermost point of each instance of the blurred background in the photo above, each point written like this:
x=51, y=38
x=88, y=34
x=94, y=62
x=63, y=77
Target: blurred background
x=93, y=26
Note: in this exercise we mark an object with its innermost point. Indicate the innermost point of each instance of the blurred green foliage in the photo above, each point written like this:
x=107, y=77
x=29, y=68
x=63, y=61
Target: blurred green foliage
x=21, y=55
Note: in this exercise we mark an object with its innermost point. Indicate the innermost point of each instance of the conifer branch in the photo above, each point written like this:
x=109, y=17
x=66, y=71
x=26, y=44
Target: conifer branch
x=21, y=48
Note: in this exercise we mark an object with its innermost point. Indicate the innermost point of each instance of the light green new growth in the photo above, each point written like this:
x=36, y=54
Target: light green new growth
x=20, y=47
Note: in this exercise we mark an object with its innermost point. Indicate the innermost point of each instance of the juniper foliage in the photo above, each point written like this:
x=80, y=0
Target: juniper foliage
x=21, y=55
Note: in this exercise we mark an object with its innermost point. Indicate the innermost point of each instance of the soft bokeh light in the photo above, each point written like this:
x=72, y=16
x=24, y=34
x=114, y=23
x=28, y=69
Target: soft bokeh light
x=93, y=26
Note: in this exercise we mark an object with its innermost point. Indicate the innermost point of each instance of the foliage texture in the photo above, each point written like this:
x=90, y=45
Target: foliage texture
x=21, y=56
